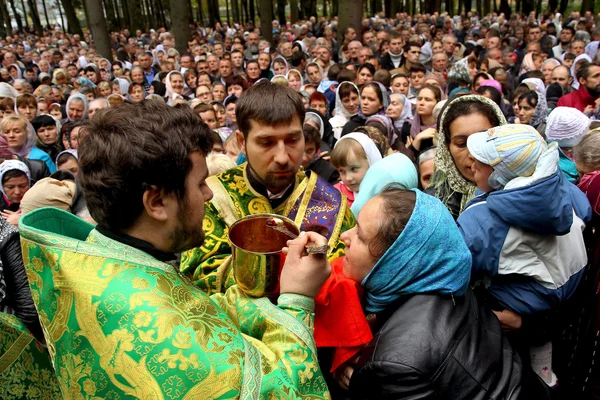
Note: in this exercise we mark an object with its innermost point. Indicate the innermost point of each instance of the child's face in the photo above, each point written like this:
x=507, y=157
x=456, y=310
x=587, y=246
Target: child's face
x=482, y=174
x=353, y=173
x=417, y=79
x=568, y=63
x=310, y=152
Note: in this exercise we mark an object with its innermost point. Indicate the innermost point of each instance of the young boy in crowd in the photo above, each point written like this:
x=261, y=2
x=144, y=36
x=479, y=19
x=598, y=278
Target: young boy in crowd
x=312, y=160
x=525, y=232
x=417, y=80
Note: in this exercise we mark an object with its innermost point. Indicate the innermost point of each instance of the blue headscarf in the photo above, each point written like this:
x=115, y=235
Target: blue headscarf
x=395, y=168
x=429, y=256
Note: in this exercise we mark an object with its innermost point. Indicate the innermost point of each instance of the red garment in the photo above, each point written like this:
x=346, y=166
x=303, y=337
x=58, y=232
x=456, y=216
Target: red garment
x=590, y=185
x=579, y=99
x=339, y=318
x=344, y=189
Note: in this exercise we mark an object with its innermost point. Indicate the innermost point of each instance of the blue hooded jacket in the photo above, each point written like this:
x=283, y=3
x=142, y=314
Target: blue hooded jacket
x=529, y=241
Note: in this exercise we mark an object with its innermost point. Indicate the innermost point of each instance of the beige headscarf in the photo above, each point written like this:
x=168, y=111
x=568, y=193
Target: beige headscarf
x=49, y=192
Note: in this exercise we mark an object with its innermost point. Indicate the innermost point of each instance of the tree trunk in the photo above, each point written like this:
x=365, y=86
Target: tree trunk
x=179, y=24
x=245, y=11
x=526, y=6
x=387, y=5
x=460, y=6
x=236, y=11
x=17, y=16
x=35, y=17
x=252, y=13
x=163, y=18
x=325, y=8
x=504, y=7
x=294, y=11
x=62, y=19
x=350, y=14
x=265, y=12
x=74, y=25
x=553, y=5
x=135, y=19
x=110, y=15
x=25, y=15
x=538, y=7
x=587, y=5
x=563, y=6
x=6, y=18
x=486, y=6
x=97, y=26
x=281, y=12
x=4, y=30
x=479, y=7
x=46, y=14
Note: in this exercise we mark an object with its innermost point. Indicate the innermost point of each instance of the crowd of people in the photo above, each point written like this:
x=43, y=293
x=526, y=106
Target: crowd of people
x=448, y=164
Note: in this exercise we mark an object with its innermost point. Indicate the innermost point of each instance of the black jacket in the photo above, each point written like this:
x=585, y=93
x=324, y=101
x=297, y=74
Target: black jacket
x=18, y=298
x=352, y=124
x=387, y=63
x=430, y=346
x=37, y=168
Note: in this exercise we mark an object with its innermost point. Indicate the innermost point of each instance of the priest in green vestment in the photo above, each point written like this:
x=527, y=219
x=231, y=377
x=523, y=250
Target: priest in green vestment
x=270, y=119
x=119, y=320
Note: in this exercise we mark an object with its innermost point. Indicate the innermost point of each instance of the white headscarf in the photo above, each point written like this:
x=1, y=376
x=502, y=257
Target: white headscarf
x=311, y=116
x=580, y=57
x=373, y=155
x=123, y=86
x=19, y=72
x=339, y=106
x=170, y=93
x=85, y=106
x=30, y=141
x=406, y=111
x=10, y=165
x=7, y=90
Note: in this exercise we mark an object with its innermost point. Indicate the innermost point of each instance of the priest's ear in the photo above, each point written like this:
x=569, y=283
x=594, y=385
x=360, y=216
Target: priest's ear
x=241, y=141
x=156, y=203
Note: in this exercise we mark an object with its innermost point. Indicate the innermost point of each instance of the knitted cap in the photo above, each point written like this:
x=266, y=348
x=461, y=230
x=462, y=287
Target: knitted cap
x=566, y=126
x=511, y=150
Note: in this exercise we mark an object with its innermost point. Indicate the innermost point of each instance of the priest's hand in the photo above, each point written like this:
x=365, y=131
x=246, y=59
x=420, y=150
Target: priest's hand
x=304, y=274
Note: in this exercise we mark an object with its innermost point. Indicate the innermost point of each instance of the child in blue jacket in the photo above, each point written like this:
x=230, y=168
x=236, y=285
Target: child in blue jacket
x=525, y=232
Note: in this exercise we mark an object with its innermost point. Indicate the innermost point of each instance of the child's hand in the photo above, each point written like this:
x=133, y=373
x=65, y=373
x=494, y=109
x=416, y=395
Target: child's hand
x=509, y=320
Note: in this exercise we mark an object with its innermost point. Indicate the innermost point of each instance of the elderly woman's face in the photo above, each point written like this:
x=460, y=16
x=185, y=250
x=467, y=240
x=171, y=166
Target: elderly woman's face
x=359, y=261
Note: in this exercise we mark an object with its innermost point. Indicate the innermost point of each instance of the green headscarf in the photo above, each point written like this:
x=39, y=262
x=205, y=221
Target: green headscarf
x=447, y=180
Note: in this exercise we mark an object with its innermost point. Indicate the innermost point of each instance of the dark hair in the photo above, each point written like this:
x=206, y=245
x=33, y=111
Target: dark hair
x=345, y=90
x=268, y=104
x=418, y=68
x=64, y=157
x=410, y=44
x=383, y=76
x=584, y=70
x=463, y=108
x=333, y=72
x=398, y=205
x=133, y=85
x=346, y=75
x=12, y=173
x=311, y=135
x=229, y=100
x=203, y=107
x=494, y=94
x=569, y=28
x=236, y=80
x=531, y=97
x=216, y=138
x=368, y=66
x=375, y=86
x=42, y=121
x=131, y=147
x=437, y=92
x=297, y=58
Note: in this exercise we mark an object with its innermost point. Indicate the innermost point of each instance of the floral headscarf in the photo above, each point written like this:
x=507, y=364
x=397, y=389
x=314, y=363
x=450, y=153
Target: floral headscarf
x=447, y=180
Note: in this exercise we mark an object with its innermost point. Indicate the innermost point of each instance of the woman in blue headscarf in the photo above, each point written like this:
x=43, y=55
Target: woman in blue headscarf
x=432, y=339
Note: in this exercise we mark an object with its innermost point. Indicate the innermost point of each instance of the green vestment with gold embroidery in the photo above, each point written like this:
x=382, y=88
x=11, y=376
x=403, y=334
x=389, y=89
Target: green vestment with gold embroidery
x=313, y=205
x=121, y=324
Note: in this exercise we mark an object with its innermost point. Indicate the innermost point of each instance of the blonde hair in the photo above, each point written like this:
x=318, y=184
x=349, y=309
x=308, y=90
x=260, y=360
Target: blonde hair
x=587, y=152
x=218, y=163
x=343, y=150
x=280, y=80
x=13, y=118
